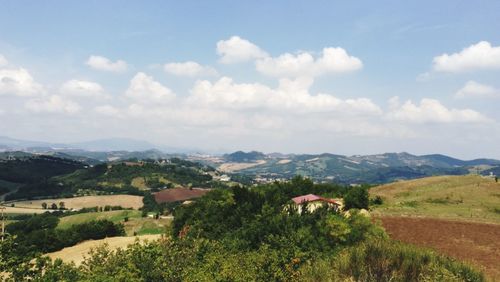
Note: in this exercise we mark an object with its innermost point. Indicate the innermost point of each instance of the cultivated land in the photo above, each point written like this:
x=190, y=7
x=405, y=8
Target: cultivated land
x=477, y=243
x=126, y=201
x=135, y=224
x=231, y=167
x=456, y=215
x=464, y=198
x=76, y=253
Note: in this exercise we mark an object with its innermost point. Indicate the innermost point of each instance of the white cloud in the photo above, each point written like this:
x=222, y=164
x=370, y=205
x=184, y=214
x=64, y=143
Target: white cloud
x=108, y=110
x=18, y=82
x=474, y=89
x=145, y=89
x=82, y=88
x=3, y=61
x=291, y=96
x=189, y=69
x=105, y=64
x=332, y=60
x=430, y=111
x=475, y=57
x=52, y=104
x=237, y=50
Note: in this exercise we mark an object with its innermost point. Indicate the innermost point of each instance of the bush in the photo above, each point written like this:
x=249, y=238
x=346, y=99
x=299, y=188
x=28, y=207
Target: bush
x=357, y=198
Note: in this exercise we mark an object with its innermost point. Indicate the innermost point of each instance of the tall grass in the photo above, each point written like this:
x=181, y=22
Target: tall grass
x=387, y=260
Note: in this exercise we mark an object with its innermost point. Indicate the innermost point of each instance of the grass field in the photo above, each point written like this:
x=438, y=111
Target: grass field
x=126, y=201
x=135, y=224
x=469, y=198
x=76, y=253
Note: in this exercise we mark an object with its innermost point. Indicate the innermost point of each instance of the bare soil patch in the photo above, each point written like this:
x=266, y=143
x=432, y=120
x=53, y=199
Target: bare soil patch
x=477, y=243
x=179, y=194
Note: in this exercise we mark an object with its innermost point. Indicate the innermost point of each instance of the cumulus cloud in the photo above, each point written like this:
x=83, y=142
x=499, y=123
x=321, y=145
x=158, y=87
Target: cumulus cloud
x=474, y=89
x=430, y=111
x=18, y=82
x=145, y=89
x=478, y=56
x=82, y=88
x=52, y=104
x=105, y=64
x=237, y=50
x=290, y=95
x=3, y=61
x=189, y=68
x=331, y=60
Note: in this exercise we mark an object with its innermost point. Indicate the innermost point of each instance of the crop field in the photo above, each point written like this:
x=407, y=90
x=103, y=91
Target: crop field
x=135, y=224
x=476, y=243
x=466, y=198
x=126, y=201
x=232, y=167
x=18, y=210
x=76, y=253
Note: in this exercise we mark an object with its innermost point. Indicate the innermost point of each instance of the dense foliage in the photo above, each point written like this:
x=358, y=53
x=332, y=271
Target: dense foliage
x=356, y=198
x=255, y=234
x=38, y=234
x=64, y=178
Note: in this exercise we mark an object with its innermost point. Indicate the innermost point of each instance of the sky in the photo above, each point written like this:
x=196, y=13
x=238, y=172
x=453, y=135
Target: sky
x=344, y=77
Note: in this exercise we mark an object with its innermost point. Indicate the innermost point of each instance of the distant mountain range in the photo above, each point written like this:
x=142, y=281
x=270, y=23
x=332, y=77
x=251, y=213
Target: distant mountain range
x=100, y=145
x=379, y=168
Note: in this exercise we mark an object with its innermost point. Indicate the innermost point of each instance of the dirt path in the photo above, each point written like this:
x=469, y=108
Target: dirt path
x=477, y=243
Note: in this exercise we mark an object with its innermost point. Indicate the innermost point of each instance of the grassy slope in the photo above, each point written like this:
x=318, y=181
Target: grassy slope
x=76, y=253
x=136, y=223
x=469, y=197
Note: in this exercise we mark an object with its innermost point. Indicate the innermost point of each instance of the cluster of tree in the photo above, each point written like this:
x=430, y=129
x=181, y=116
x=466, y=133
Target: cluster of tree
x=38, y=234
x=49, y=176
x=36, y=168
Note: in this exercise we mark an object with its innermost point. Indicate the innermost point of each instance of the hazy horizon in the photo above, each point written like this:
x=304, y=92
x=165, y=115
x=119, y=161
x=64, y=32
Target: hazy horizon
x=314, y=77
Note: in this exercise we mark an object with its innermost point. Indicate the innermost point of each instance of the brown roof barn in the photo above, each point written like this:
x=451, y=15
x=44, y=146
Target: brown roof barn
x=179, y=194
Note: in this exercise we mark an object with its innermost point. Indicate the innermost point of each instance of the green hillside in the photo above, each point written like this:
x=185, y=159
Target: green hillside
x=469, y=197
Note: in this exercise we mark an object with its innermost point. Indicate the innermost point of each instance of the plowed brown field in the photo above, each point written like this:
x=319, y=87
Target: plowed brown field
x=477, y=243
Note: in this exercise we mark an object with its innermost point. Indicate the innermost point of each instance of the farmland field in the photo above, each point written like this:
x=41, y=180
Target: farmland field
x=476, y=243
x=126, y=201
x=135, y=224
x=76, y=253
x=465, y=198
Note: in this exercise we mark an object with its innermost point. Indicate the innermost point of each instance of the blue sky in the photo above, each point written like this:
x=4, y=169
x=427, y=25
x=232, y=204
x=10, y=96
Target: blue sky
x=289, y=76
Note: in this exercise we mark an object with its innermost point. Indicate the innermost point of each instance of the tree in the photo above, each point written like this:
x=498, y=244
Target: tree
x=356, y=198
x=44, y=205
x=496, y=179
x=62, y=206
x=53, y=206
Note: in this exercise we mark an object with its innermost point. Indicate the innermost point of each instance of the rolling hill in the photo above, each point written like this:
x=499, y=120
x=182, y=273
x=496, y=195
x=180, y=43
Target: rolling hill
x=469, y=198
x=374, y=169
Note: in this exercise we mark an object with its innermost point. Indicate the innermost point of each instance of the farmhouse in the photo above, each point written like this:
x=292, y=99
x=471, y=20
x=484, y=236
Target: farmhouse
x=314, y=202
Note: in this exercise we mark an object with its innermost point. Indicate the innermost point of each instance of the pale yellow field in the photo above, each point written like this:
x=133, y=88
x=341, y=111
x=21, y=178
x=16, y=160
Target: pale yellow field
x=229, y=167
x=126, y=201
x=76, y=253
x=9, y=209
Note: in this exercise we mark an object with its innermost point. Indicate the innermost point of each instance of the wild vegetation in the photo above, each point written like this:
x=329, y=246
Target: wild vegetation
x=242, y=234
